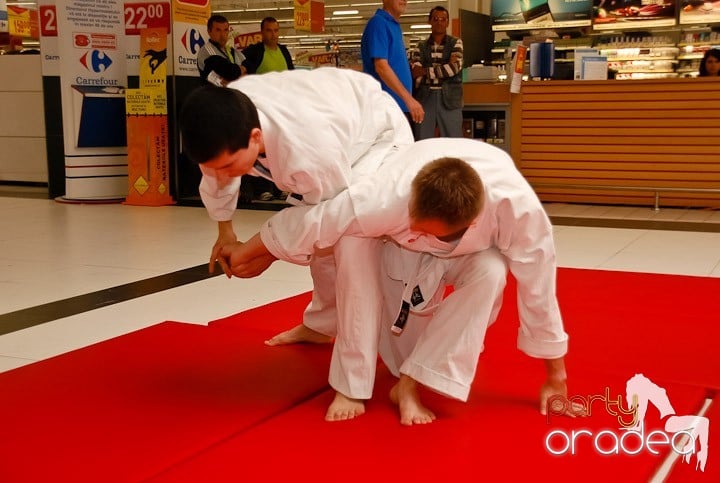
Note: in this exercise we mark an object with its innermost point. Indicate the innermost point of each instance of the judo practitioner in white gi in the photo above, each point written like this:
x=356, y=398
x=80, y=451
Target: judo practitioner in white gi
x=441, y=212
x=313, y=133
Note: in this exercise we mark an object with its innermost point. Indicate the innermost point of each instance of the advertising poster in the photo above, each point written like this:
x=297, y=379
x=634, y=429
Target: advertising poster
x=93, y=77
x=245, y=35
x=147, y=126
x=536, y=14
x=48, y=33
x=309, y=16
x=189, y=34
x=140, y=16
x=312, y=59
x=632, y=14
x=699, y=11
x=23, y=22
x=3, y=18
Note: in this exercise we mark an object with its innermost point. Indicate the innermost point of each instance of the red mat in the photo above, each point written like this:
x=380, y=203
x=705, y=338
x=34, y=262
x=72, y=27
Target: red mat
x=664, y=324
x=124, y=409
x=178, y=402
x=498, y=435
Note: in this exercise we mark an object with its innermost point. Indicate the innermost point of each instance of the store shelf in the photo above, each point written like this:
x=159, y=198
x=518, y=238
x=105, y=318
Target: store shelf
x=662, y=50
x=622, y=59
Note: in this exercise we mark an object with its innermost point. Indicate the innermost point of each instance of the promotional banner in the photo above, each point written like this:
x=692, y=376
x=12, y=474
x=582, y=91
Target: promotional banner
x=23, y=22
x=3, y=16
x=153, y=64
x=93, y=77
x=246, y=35
x=4, y=28
x=316, y=58
x=537, y=14
x=697, y=11
x=147, y=126
x=49, y=40
x=633, y=14
x=518, y=68
x=140, y=16
x=309, y=16
x=189, y=34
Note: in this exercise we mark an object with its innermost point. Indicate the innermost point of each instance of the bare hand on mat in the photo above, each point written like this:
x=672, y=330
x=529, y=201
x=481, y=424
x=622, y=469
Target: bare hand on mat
x=245, y=260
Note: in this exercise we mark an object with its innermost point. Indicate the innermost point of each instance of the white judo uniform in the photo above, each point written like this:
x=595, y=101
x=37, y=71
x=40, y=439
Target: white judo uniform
x=323, y=129
x=443, y=338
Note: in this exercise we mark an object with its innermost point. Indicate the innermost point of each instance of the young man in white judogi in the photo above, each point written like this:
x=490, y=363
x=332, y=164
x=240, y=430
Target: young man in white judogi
x=441, y=212
x=313, y=133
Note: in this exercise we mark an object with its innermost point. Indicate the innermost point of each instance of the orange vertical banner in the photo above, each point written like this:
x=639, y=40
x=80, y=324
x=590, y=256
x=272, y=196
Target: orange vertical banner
x=317, y=17
x=147, y=126
x=147, y=142
x=309, y=16
x=301, y=15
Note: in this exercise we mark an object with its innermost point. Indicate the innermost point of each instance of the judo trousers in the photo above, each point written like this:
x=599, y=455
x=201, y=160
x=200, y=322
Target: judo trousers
x=439, y=347
x=347, y=304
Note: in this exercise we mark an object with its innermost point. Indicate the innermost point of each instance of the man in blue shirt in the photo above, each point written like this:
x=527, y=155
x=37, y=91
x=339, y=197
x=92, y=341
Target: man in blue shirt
x=383, y=56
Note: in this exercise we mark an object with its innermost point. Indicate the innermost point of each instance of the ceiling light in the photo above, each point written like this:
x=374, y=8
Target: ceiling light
x=346, y=12
x=421, y=26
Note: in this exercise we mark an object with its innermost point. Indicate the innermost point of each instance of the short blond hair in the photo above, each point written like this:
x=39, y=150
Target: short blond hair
x=447, y=189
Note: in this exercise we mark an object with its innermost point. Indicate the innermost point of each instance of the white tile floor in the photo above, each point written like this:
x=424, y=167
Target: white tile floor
x=51, y=251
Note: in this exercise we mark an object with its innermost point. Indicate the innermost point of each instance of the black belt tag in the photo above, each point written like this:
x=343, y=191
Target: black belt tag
x=399, y=324
x=417, y=297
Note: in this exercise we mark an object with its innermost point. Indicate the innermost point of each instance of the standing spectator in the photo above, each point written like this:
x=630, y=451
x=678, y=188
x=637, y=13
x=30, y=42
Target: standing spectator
x=710, y=63
x=437, y=70
x=216, y=59
x=383, y=57
x=268, y=55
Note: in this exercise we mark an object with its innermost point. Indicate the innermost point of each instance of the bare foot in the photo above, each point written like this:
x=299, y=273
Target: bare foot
x=298, y=334
x=406, y=396
x=343, y=408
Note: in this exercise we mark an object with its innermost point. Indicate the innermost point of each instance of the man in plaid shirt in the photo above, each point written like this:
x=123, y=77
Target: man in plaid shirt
x=437, y=69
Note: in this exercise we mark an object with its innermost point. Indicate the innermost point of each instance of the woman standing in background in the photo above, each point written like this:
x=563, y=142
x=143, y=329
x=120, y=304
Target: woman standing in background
x=710, y=64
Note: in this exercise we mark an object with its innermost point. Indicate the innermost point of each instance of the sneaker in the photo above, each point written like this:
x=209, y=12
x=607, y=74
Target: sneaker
x=266, y=196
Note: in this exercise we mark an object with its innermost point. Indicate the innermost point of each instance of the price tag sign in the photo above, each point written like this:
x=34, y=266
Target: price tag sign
x=139, y=16
x=48, y=21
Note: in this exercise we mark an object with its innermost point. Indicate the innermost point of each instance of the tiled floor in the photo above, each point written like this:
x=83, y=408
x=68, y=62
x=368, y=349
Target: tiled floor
x=53, y=251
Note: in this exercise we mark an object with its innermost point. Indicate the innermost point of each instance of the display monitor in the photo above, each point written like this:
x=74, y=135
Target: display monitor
x=632, y=14
x=699, y=11
x=534, y=14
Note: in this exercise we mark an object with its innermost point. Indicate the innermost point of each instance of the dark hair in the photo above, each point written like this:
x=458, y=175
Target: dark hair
x=438, y=9
x=447, y=189
x=216, y=19
x=215, y=120
x=266, y=20
x=709, y=53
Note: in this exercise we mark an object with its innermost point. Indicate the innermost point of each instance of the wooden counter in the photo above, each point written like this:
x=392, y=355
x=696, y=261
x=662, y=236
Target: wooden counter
x=616, y=142
x=488, y=94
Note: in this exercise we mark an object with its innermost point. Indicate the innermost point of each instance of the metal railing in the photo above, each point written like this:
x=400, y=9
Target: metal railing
x=656, y=190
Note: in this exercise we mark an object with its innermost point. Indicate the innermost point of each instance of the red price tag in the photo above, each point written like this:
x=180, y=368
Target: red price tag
x=145, y=15
x=196, y=3
x=48, y=21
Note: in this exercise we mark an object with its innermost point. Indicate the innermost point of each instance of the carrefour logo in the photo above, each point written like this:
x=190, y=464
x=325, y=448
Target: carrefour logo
x=95, y=61
x=192, y=40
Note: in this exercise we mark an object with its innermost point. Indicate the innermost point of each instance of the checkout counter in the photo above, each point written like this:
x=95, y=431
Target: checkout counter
x=633, y=142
